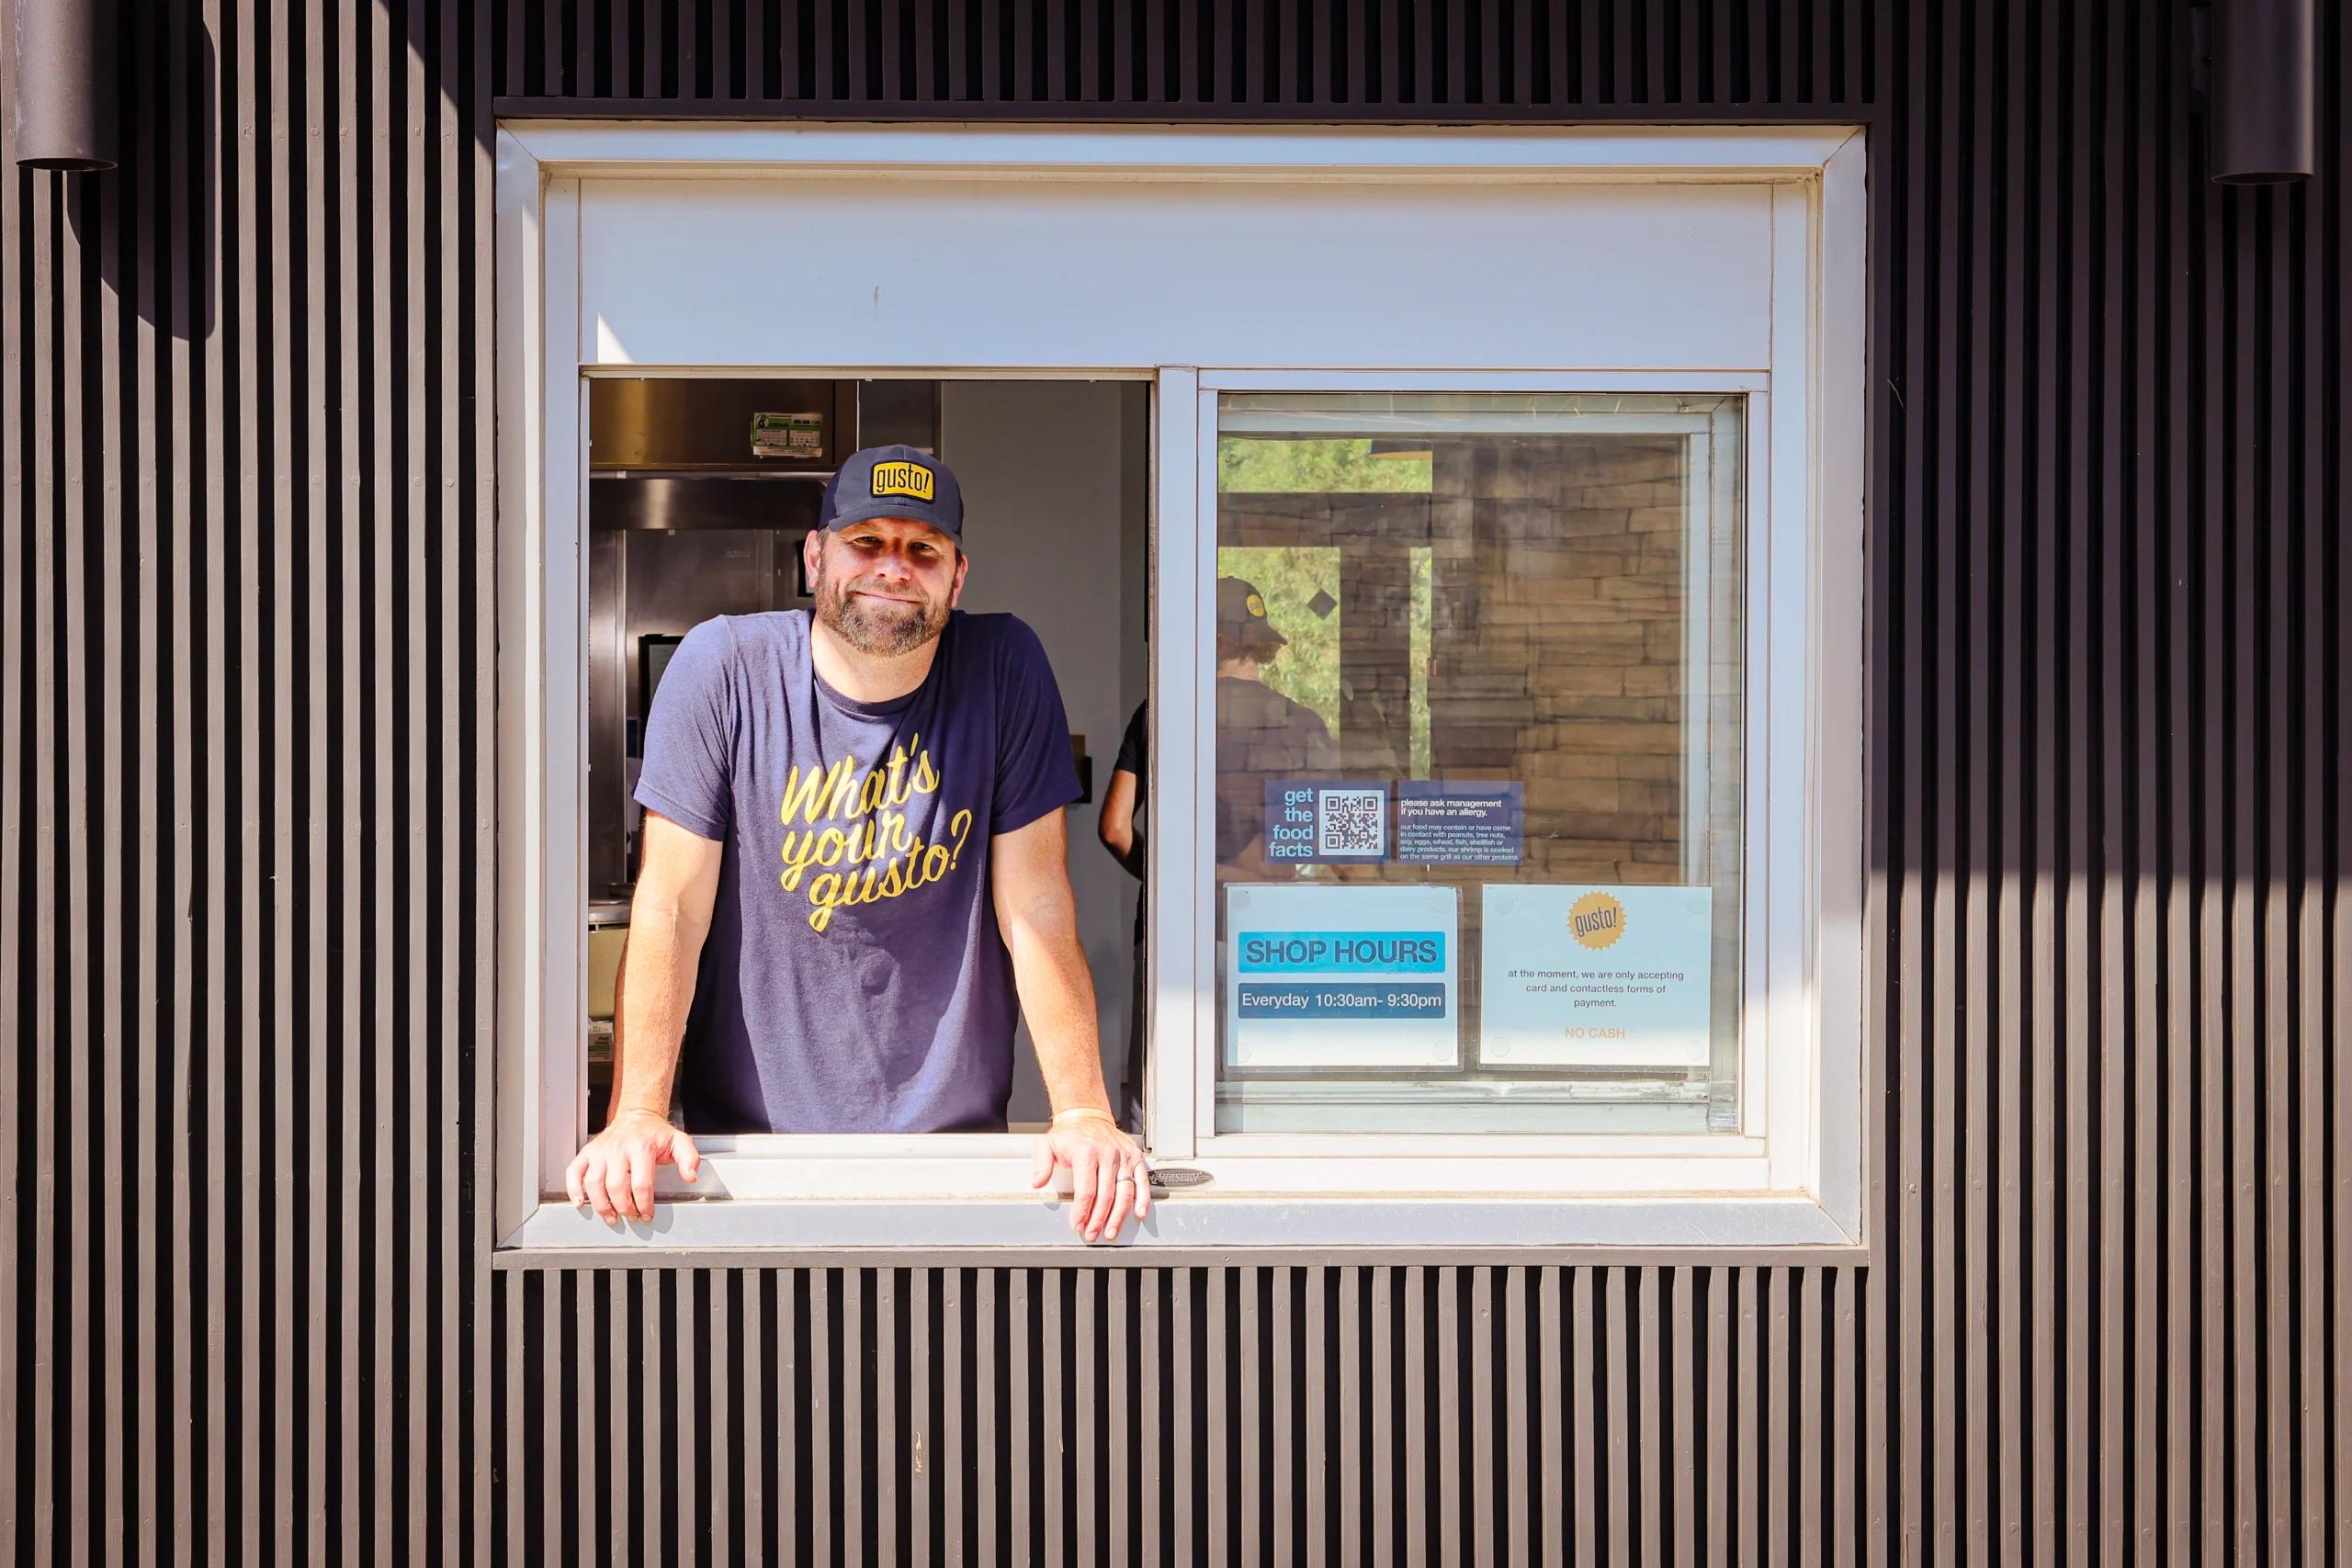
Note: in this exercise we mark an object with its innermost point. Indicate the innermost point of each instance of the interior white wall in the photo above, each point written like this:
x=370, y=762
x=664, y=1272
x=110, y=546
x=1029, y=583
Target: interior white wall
x=1134, y=545
x=1048, y=504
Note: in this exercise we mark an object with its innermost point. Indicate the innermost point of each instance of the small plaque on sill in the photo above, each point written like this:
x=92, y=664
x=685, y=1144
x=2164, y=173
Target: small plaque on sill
x=1174, y=1176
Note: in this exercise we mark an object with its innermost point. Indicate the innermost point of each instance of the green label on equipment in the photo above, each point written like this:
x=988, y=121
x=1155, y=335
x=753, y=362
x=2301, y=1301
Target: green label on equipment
x=799, y=435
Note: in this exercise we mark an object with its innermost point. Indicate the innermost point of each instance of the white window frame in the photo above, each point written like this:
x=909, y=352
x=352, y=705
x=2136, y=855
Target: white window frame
x=1792, y=1176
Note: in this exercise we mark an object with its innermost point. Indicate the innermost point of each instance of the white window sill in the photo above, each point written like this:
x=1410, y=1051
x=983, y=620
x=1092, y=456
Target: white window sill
x=1199, y=1219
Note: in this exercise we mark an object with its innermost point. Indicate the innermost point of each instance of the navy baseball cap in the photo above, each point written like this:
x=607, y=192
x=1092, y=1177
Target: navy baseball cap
x=894, y=481
x=1241, y=615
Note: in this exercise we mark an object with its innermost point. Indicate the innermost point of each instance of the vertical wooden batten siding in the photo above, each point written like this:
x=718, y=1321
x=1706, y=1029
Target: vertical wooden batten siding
x=246, y=728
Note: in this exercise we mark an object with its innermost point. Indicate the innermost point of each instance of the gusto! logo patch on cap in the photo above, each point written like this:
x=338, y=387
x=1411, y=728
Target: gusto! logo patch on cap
x=905, y=479
x=898, y=481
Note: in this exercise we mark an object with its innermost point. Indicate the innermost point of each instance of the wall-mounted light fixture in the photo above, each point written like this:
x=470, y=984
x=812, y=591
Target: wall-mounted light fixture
x=63, y=78
x=2262, y=91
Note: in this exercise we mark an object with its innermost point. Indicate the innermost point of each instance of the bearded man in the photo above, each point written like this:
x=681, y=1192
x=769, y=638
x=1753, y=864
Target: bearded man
x=854, y=877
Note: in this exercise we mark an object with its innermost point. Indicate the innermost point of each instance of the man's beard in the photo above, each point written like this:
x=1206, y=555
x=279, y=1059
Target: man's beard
x=871, y=626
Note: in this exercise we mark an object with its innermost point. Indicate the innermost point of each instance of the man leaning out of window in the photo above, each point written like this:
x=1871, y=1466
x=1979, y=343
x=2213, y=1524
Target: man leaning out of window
x=854, y=877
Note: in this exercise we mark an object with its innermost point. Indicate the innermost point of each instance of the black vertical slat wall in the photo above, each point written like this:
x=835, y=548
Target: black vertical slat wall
x=245, y=707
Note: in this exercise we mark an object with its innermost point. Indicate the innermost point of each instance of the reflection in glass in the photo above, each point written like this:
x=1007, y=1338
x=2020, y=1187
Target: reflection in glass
x=1480, y=657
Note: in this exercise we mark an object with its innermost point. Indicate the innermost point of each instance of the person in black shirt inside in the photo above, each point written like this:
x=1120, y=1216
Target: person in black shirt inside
x=1122, y=833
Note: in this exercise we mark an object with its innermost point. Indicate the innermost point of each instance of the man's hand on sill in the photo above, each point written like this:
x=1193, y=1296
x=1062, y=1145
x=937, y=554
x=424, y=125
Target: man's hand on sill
x=615, y=1172
x=1108, y=1180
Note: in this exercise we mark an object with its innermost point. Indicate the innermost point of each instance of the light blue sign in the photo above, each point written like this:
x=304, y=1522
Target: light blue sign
x=1307, y=971
x=1594, y=975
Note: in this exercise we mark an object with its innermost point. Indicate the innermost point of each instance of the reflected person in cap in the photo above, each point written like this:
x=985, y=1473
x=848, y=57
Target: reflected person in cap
x=1260, y=734
x=855, y=882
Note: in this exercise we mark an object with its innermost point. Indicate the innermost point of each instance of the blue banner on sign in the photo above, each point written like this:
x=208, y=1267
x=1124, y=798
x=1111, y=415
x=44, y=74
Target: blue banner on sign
x=1326, y=821
x=1444, y=823
x=1340, y=953
x=1327, y=1000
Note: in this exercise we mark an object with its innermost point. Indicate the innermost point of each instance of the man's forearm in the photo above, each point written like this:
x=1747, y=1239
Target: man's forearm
x=657, y=987
x=1057, y=999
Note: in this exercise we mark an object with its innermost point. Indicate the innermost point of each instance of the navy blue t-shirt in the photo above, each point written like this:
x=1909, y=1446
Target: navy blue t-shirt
x=854, y=979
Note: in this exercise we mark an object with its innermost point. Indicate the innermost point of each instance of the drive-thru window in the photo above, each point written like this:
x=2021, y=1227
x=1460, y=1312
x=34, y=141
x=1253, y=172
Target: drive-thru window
x=1476, y=521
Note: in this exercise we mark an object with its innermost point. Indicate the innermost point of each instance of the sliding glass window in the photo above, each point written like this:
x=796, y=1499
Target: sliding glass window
x=1480, y=755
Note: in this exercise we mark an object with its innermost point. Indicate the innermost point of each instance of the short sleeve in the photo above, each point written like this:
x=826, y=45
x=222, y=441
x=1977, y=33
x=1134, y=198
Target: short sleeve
x=1035, y=771
x=690, y=736
x=1134, y=746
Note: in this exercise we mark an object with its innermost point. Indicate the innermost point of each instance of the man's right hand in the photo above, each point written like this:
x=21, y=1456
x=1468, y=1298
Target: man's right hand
x=615, y=1172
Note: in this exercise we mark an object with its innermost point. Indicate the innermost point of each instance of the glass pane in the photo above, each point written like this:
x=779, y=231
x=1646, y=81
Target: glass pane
x=1480, y=709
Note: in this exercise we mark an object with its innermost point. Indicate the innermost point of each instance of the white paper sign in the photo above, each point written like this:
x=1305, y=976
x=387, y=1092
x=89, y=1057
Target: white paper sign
x=1343, y=977
x=1596, y=977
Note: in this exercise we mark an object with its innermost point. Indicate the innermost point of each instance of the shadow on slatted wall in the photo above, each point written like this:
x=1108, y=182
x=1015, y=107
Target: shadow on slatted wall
x=170, y=123
x=1405, y=60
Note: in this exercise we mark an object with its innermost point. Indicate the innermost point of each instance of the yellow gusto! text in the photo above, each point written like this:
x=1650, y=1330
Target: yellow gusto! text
x=904, y=479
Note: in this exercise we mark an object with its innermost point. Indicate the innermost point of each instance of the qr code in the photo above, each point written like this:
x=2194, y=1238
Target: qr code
x=1352, y=822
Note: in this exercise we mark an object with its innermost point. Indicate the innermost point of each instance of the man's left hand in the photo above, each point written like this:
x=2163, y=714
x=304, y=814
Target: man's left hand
x=1108, y=1180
